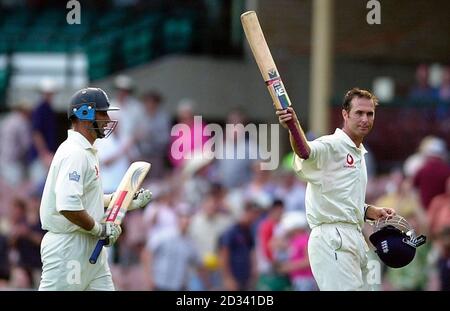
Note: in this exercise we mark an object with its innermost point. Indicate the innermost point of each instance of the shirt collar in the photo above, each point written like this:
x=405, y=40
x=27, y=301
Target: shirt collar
x=344, y=137
x=80, y=140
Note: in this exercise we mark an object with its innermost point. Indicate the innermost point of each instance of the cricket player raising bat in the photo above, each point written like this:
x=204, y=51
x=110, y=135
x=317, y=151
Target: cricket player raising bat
x=73, y=203
x=335, y=170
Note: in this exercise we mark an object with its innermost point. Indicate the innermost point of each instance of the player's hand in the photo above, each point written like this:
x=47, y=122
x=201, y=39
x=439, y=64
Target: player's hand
x=112, y=238
x=108, y=231
x=141, y=199
x=375, y=213
x=286, y=115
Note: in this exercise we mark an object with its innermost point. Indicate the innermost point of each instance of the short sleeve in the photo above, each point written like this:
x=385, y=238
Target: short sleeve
x=69, y=184
x=310, y=168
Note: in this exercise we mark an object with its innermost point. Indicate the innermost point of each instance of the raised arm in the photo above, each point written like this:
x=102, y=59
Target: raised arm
x=288, y=119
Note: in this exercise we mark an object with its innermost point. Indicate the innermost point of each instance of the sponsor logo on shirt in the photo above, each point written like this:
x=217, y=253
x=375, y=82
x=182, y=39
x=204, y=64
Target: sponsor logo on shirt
x=74, y=176
x=350, y=162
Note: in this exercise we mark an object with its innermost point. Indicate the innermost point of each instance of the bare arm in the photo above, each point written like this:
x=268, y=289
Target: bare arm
x=45, y=155
x=80, y=218
x=254, y=270
x=301, y=147
x=228, y=278
x=40, y=144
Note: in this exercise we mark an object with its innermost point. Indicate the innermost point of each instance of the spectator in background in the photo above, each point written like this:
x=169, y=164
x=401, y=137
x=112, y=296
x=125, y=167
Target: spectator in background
x=25, y=238
x=443, y=109
x=33, y=264
x=400, y=196
x=431, y=177
x=44, y=129
x=5, y=267
x=235, y=168
x=15, y=142
x=211, y=220
x=444, y=260
x=439, y=234
x=290, y=187
x=112, y=161
x=130, y=116
x=154, y=133
x=422, y=91
x=194, y=181
x=161, y=215
x=188, y=137
x=444, y=88
x=269, y=279
x=415, y=161
x=208, y=225
x=237, y=251
x=439, y=212
x=261, y=183
x=168, y=258
x=295, y=228
x=260, y=190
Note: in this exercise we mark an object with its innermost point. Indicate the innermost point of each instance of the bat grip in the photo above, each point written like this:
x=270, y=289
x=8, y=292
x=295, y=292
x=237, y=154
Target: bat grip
x=292, y=126
x=96, y=252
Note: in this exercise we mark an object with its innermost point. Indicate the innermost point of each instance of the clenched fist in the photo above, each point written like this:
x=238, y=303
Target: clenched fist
x=108, y=231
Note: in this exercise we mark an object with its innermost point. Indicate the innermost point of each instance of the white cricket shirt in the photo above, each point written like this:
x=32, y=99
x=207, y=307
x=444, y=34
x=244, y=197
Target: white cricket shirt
x=337, y=178
x=73, y=184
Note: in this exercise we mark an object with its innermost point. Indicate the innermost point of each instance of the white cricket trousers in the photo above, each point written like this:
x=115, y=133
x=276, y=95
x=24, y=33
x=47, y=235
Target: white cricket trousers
x=66, y=267
x=338, y=257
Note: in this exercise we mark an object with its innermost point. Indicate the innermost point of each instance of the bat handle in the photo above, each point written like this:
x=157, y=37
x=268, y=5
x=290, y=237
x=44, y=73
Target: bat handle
x=96, y=252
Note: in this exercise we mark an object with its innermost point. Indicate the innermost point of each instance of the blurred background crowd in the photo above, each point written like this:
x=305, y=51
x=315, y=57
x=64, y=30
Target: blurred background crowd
x=220, y=224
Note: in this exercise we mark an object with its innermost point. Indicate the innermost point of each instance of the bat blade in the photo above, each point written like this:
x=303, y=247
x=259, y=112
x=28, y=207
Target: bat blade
x=122, y=198
x=269, y=71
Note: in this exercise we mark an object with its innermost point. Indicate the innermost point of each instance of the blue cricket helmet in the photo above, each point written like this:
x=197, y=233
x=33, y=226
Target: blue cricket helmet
x=395, y=241
x=85, y=103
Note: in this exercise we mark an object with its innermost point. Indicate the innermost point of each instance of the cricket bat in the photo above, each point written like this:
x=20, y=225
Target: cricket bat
x=269, y=72
x=117, y=208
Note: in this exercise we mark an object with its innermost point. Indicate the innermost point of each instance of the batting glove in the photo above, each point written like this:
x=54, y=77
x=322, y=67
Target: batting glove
x=108, y=231
x=141, y=199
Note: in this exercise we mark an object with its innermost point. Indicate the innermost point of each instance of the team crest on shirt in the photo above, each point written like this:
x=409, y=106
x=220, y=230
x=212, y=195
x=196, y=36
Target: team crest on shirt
x=349, y=161
x=74, y=176
x=96, y=172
